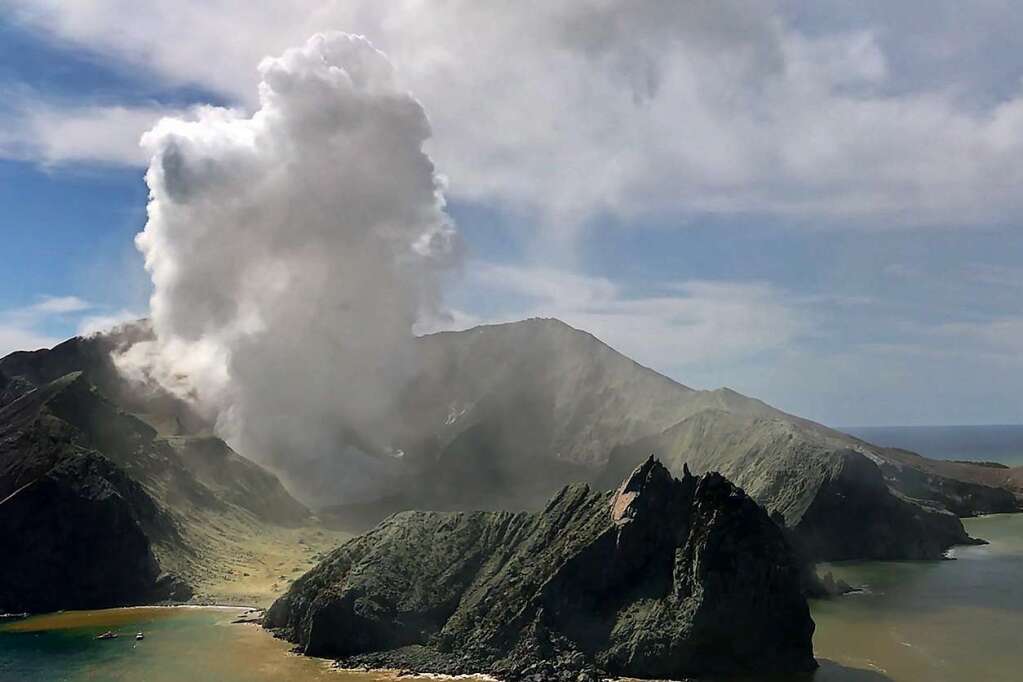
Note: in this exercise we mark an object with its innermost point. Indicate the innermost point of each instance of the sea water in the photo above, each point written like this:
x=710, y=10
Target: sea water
x=182, y=644
x=1002, y=444
x=931, y=621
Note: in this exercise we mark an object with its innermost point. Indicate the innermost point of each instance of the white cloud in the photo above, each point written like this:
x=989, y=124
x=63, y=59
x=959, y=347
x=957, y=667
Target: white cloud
x=784, y=347
x=29, y=327
x=54, y=135
x=105, y=134
x=956, y=373
x=565, y=109
x=14, y=337
x=687, y=325
x=59, y=304
x=20, y=328
x=572, y=108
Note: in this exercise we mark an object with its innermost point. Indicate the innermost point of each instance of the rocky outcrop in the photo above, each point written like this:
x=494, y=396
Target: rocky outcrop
x=663, y=578
x=834, y=500
x=964, y=488
x=502, y=416
x=855, y=515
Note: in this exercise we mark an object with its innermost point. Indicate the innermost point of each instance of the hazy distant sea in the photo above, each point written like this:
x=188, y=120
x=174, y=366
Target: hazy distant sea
x=979, y=443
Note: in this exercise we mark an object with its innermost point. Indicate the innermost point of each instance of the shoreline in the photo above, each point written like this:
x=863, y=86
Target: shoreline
x=70, y=619
x=994, y=515
x=406, y=673
x=183, y=605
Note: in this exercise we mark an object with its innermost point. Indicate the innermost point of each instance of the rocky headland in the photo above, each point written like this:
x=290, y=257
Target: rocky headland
x=663, y=578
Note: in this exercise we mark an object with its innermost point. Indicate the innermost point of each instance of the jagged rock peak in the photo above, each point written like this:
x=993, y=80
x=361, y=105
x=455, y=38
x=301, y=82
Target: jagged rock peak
x=664, y=578
x=648, y=487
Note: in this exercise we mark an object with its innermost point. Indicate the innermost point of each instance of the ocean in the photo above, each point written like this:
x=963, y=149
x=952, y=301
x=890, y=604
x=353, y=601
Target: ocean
x=975, y=443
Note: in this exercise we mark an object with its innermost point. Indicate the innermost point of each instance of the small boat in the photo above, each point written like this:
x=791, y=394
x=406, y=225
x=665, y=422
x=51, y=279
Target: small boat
x=139, y=636
x=109, y=634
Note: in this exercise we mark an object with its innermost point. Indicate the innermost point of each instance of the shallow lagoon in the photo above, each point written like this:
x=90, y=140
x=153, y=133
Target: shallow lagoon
x=945, y=621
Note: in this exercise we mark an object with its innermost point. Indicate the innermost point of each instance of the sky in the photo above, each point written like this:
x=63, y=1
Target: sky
x=815, y=204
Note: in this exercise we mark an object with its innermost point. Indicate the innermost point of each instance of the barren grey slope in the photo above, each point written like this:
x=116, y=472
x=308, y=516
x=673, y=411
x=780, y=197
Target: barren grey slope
x=503, y=414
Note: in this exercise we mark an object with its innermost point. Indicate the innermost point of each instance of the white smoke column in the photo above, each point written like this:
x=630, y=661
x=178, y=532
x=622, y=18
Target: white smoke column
x=291, y=252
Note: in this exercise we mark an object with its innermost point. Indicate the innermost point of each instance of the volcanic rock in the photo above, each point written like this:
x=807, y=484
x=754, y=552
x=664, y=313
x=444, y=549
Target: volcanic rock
x=663, y=578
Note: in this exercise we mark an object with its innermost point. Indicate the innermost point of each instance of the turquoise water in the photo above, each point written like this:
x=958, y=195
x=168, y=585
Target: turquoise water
x=945, y=621
x=181, y=644
x=976, y=443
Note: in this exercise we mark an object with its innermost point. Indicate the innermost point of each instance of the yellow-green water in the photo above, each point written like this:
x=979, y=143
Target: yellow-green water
x=948, y=621
x=181, y=644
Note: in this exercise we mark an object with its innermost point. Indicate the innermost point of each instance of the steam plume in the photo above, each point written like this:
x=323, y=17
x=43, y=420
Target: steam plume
x=291, y=252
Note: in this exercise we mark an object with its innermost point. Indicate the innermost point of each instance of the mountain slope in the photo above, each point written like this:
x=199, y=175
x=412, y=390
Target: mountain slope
x=967, y=488
x=176, y=470
x=502, y=415
x=833, y=497
x=75, y=530
x=590, y=395
x=146, y=506
x=25, y=370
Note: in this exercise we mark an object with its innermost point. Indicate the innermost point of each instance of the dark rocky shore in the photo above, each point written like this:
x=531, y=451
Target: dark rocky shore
x=664, y=578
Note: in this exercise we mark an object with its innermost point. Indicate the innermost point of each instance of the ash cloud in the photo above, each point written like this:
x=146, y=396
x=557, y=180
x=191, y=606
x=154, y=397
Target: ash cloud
x=291, y=253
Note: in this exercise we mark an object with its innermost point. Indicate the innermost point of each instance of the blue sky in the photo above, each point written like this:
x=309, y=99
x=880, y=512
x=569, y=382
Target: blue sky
x=870, y=280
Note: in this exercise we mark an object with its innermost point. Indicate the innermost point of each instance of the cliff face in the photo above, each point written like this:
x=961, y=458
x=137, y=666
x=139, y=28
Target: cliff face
x=98, y=508
x=76, y=531
x=855, y=515
x=663, y=578
x=964, y=488
x=75, y=538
